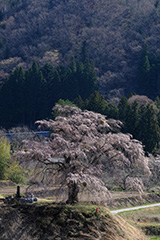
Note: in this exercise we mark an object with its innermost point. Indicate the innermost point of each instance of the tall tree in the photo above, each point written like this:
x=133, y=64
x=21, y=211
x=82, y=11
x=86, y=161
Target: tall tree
x=97, y=103
x=79, y=102
x=12, y=99
x=111, y=111
x=52, y=86
x=70, y=84
x=88, y=82
x=82, y=145
x=148, y=130
x=132, y=119
x=144, y=72
x=4, y=156
x=34, y=92
x=123, y=108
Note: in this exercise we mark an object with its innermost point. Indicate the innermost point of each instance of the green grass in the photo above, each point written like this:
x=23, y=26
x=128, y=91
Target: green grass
x=88, y=208
x=155, y=238
x=147, y=219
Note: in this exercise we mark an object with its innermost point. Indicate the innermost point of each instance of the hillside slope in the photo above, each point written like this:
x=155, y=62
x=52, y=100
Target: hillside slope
x=63, y=222
x=115, y=33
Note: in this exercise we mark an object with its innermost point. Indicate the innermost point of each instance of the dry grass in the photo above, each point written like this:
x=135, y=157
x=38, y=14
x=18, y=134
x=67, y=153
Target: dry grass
x=114, y=227
x=146, y=219
x=48, y=221
x=104, y=226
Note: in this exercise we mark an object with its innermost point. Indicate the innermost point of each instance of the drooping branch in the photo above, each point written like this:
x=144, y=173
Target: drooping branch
x=88, y=143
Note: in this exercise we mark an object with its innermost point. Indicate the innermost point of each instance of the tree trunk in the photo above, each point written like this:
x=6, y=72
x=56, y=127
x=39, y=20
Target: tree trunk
x=73, y=190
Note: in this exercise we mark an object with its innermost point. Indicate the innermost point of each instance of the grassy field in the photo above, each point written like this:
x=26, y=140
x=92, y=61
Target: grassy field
x=146, y=219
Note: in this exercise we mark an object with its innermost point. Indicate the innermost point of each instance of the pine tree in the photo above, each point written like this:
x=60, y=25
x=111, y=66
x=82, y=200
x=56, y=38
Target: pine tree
x=88, y=83
x=144, y=72
x=34, y=86
x=80, y=79
x=148, y=130
x=123, y=108
x=70, y=85
x=79, y=102
x=111, y=111
x=73, y=66
x=52, y=86
x=157, y=103
x=97, y=103
x=132, y=119
x=12, y=99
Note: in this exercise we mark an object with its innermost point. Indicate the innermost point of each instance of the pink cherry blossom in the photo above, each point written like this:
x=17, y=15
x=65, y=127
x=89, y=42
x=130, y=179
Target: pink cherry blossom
x=86, y=150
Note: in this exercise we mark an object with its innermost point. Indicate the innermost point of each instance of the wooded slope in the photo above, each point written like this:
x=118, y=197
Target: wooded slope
x=115, y=33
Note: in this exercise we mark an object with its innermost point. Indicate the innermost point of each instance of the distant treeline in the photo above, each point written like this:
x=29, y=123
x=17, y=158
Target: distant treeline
x=28, y=96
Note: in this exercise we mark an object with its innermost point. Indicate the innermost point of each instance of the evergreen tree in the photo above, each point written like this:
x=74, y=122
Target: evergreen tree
x=148, y=130
x=71, y=85
x=12, y=99
x=19, y=103
x=144, y=72
x=132, y=119
x=52, y=86
x=123, y=108
x=34, y=94
x=88, y=83
x=79, y=102
x=80, y=79
x=25, y=97
x=157, y=103
x=97, y=103
x=111, y=111
x=73, y=66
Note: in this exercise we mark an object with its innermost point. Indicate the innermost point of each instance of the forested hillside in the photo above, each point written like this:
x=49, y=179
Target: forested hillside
x=120, y=36
x=28, y=96
x=92, y=53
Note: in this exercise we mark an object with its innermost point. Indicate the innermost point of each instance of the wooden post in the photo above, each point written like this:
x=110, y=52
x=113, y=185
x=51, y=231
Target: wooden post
x=18, y=195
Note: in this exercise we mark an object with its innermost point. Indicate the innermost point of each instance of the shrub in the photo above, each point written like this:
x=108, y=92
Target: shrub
x=15, y=173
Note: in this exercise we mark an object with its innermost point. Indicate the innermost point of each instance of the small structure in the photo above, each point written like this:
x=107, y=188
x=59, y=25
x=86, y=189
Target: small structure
x=18, y=198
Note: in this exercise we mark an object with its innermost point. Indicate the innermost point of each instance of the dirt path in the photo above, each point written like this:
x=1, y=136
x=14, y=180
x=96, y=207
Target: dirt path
x=134, y=208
